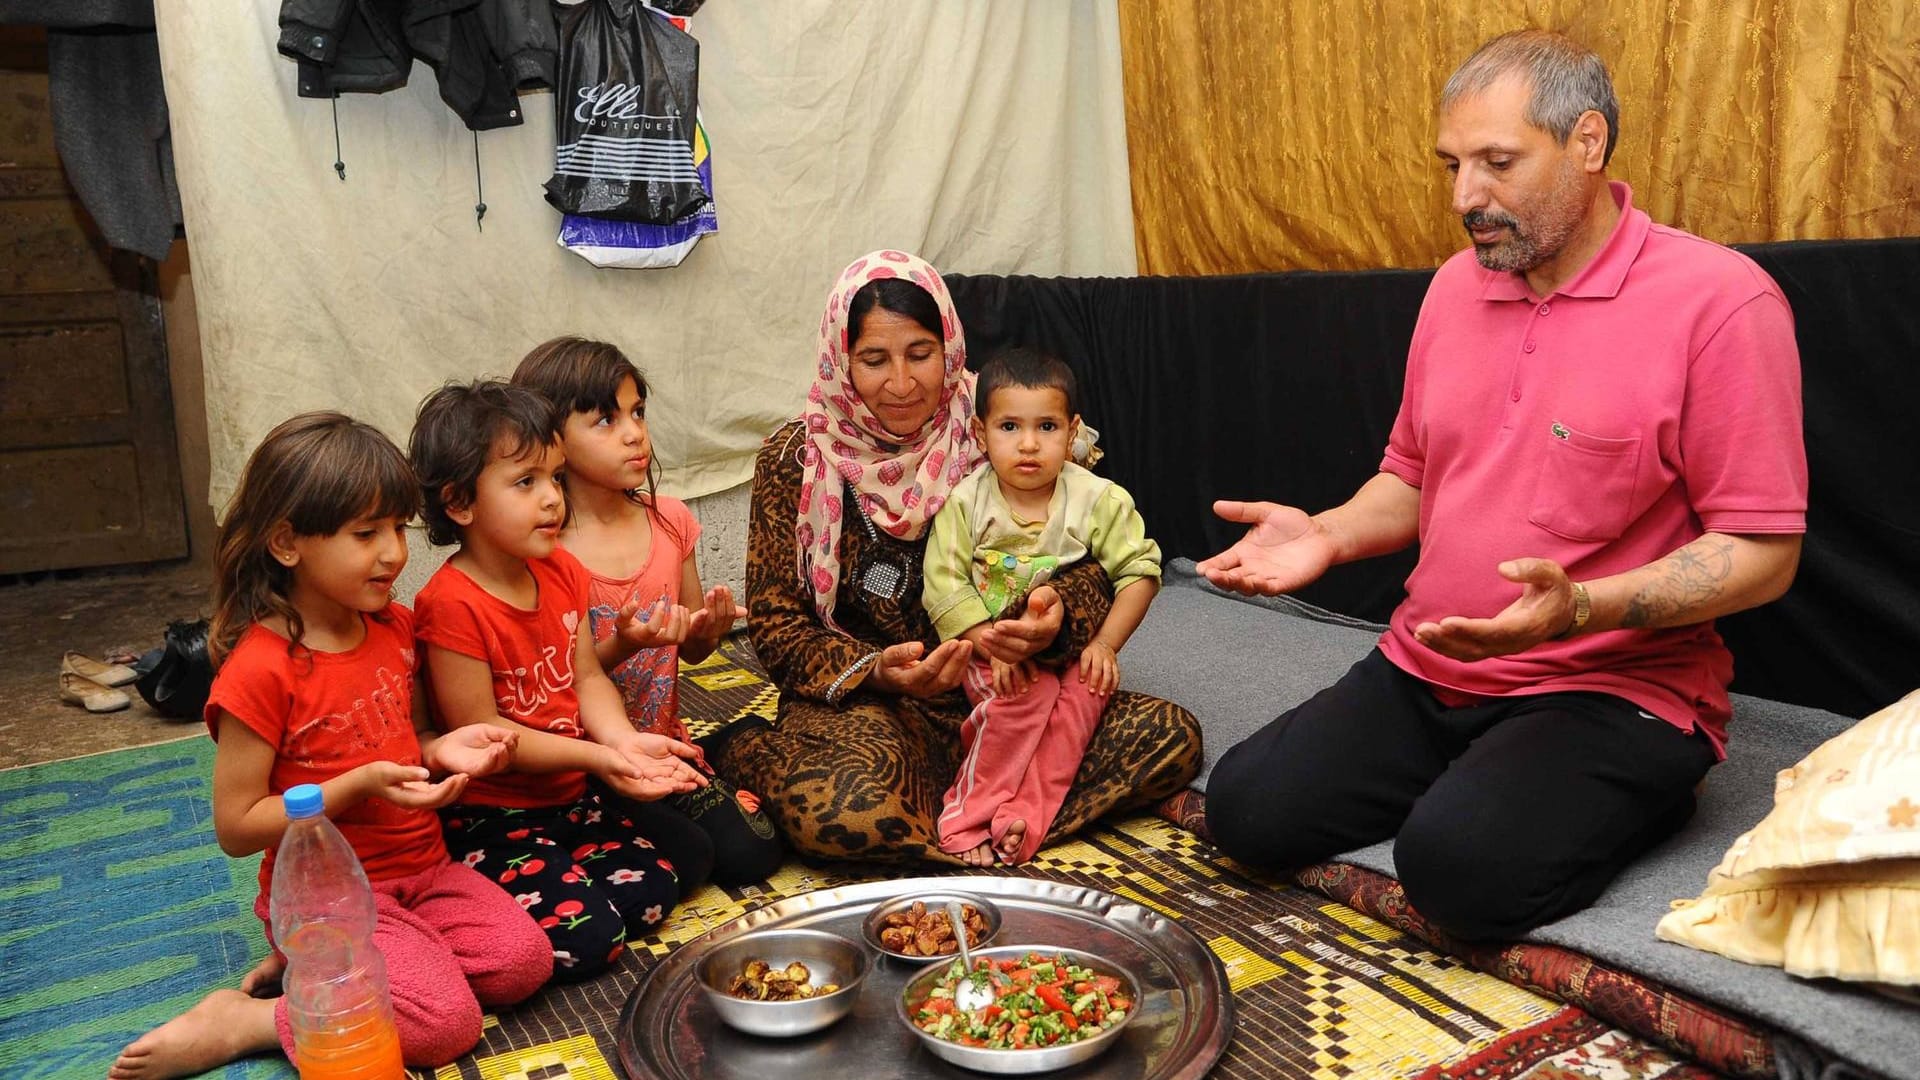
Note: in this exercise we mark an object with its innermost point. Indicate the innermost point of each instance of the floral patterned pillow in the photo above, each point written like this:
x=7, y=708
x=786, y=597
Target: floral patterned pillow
x=1828, y=884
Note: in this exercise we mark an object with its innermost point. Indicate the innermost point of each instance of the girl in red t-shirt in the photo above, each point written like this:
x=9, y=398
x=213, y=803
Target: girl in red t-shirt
x=318, y=684
x=576, y=831
x=638, y=549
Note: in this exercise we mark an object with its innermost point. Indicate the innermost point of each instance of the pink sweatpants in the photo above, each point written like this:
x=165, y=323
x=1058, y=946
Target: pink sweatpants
x=455, y=944
x=1019, y=757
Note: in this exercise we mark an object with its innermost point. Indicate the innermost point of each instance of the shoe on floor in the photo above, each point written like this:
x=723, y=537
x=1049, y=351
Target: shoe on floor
x=105, y=674
x=76, y=689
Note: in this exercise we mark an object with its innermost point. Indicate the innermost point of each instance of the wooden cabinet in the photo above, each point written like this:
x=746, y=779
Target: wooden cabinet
x=89, y=469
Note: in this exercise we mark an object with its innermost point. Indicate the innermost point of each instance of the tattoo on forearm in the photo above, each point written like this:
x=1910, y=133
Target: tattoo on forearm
x=1690, y=577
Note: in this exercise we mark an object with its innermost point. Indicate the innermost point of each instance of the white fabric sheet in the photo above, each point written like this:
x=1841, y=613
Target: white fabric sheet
x=986, y=135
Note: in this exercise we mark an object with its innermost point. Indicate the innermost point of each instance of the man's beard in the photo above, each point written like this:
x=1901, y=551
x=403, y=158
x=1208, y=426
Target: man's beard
x=1552, y=223
x=1517, y=252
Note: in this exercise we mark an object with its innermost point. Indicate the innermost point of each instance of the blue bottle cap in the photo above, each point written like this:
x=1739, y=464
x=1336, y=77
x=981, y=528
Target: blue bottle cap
x=304, y=801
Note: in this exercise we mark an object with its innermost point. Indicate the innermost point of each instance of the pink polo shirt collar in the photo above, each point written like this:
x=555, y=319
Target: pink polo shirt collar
x=1603, y=274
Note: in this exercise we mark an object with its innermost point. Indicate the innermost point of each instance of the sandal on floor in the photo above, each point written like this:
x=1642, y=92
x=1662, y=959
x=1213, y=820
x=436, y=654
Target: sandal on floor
x=79, y=690
x=105, y=674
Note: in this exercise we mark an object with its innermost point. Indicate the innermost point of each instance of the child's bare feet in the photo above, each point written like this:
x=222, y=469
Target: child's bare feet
x=1008, y=847
x=980, y=856
x=227, y=1025
x=264, y=979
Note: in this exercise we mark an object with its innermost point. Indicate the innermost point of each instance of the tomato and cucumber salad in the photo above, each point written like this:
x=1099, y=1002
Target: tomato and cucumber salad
x=1038, y=1001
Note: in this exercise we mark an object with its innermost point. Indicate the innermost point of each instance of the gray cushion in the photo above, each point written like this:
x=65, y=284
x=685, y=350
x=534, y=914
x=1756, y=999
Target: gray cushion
x=1236, y=664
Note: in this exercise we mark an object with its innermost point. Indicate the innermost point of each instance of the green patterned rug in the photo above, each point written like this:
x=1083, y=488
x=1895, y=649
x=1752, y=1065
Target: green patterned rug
x=121, y=910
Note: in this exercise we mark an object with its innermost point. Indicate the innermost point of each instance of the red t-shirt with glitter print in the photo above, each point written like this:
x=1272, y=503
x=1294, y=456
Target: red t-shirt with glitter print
x=530, y=653
x=325, y=713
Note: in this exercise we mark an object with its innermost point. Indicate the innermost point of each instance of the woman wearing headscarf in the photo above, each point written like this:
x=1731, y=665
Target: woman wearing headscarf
x=868, y=733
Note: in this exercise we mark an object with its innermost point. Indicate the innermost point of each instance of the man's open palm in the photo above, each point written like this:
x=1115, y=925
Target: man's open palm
x=1283, y=551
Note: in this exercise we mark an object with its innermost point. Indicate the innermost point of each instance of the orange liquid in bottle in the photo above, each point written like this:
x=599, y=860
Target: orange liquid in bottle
x=355, y=1055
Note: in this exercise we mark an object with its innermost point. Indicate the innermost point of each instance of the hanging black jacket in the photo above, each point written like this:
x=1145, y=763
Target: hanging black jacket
x=345, y=46
x=483, y=51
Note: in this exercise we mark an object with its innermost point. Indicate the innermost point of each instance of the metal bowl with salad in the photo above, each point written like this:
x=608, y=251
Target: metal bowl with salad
x=1045, y=1007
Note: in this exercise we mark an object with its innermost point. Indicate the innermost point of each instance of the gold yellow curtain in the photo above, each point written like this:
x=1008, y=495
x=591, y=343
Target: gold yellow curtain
x=1298, y=134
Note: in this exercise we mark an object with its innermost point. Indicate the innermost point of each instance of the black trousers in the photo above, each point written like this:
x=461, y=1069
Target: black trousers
x=1504, y=816
x=590, y=872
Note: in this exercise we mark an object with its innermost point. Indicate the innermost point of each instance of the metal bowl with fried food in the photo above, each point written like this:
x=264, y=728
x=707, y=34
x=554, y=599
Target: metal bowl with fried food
x=783, y=982
x=915, y=927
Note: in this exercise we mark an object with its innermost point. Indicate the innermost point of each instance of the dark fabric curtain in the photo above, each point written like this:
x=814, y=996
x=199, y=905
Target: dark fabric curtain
x=1847, y=635
x=1273, y=386
x=1283, y=387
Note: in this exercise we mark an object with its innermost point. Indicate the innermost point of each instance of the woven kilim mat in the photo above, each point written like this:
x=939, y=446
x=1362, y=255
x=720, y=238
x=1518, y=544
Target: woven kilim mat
x=1320, y=990
x=121, y=911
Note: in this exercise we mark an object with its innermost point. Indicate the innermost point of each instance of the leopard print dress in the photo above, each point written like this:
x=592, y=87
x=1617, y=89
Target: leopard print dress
x=855, y=773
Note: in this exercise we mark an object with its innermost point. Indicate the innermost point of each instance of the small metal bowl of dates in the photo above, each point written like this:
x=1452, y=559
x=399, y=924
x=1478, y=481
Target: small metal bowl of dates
x=915, y=927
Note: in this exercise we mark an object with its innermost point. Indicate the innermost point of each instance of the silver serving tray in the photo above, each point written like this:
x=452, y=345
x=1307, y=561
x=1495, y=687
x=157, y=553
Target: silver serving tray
x=1182, y=1024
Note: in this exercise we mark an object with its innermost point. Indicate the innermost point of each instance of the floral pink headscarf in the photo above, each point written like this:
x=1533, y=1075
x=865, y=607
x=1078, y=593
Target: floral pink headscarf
x=900, y=485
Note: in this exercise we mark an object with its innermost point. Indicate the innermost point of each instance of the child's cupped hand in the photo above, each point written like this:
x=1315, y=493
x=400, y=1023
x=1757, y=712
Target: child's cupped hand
x=712, y=621
x=665, y=624
x=474, y=749
x=1100, y=669
x=406, y=785
x=643, y=766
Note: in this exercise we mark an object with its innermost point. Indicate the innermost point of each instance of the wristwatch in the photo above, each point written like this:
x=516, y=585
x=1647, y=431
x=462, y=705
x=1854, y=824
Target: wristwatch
x=1582, y=610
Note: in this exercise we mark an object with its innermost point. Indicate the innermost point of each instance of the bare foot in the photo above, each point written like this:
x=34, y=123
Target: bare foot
x=227, y=1025
x=980, y=856
x=1009, y=846
x=264, y=979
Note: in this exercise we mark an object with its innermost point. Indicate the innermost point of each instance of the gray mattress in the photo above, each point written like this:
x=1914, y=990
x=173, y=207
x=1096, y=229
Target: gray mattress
x=1237, y=663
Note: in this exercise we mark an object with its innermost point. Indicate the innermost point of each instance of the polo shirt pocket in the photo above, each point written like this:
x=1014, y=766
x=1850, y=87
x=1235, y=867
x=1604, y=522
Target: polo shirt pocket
x=1586, y=485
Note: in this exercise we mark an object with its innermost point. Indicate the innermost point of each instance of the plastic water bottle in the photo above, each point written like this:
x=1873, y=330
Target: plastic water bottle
x=336, y=980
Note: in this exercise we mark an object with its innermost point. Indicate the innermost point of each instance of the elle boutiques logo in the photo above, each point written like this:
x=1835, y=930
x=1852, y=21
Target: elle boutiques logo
x=617, y=102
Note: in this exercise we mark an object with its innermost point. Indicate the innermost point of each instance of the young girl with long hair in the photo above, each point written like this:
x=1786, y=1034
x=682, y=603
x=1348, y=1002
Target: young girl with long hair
x=638, y=548
x=318, y=683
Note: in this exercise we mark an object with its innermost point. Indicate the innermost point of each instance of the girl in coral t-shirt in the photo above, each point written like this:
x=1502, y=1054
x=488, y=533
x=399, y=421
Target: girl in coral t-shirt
x=638, y=549
x=317, y=684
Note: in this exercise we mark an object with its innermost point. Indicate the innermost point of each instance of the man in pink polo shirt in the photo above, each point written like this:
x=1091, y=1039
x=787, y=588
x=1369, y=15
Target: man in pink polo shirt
x=1598, y=450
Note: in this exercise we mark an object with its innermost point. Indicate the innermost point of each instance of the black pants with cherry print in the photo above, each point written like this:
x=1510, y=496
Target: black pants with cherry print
x=589, y=872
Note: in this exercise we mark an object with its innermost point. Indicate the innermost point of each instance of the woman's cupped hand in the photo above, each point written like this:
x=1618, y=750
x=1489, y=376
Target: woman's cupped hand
x=1013, y=640
x=908, y=668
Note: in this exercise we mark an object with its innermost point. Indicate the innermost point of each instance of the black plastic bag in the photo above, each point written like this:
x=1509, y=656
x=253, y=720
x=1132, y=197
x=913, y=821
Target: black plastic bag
x=624, y=115
x=180, y=677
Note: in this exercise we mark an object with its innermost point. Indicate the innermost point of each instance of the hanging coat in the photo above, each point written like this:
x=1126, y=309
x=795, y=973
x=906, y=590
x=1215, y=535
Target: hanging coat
x=482, y=51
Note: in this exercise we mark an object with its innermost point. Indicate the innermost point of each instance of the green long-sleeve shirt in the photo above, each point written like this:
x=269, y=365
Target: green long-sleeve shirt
x=981, y=556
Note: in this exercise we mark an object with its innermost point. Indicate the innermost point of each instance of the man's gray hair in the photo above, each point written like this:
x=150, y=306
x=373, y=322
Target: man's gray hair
x=1568, y=79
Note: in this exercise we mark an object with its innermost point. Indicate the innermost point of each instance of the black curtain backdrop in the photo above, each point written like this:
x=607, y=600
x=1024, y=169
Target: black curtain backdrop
x=1283, y=387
